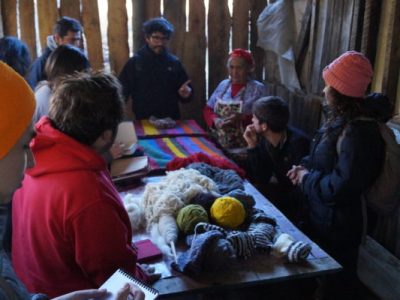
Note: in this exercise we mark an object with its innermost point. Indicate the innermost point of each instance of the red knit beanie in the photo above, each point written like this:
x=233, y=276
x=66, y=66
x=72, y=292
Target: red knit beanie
x=349, y=74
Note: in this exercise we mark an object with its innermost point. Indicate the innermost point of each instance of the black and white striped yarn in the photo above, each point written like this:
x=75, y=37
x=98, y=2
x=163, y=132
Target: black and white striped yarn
x=243, y=243
x=259, y=216
x=263, y=235
x=260, y=237
x=204, y=227
x=298, y=251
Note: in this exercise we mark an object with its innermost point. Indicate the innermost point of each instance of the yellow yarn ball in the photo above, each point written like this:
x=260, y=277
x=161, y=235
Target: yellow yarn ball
x=228, y=212
x=189, y=216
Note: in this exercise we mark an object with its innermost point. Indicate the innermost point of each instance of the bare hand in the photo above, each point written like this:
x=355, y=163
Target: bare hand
x=131, y=292
x=83, y=295
x=185, y=90
x=296, y=174
x=117, y=150
x=218, y=123
x=250, y=136
x=232, y=120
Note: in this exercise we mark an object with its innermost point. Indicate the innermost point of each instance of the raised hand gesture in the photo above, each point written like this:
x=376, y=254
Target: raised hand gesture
x=185, y=90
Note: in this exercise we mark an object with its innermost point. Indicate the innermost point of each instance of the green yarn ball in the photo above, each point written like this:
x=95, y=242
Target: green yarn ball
x=189, y=216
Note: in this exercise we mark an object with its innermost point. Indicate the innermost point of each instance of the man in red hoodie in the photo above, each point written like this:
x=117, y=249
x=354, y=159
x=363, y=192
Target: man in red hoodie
x=70, y=228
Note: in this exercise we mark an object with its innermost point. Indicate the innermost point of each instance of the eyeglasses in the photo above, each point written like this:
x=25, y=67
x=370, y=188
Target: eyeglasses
x=159, y=38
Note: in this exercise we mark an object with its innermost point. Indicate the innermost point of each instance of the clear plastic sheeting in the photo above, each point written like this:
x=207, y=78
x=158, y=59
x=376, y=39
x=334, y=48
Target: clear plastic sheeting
x=276, y=33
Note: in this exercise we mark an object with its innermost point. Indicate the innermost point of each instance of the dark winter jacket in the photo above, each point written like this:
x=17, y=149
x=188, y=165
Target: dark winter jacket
x=153, y=81
x=338, y=177
x=36, y=71
x=266, y=160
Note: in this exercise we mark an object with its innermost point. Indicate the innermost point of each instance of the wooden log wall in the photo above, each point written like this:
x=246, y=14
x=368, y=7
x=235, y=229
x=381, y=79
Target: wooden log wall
x=203, y=39
x=387, y=63
x=191, y=41
x=329, y=28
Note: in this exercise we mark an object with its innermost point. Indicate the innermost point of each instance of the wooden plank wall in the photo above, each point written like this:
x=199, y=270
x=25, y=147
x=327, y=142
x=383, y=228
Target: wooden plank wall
x=190, y=41
x=219, y=25
x=9, y=16
x=328, y=29
x=27, y=23
x=387, y=64
x=47, y=16
x=117, y=33
x=223, y=25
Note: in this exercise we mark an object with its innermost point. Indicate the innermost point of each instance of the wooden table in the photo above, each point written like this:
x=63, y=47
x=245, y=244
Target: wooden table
x=258, y=270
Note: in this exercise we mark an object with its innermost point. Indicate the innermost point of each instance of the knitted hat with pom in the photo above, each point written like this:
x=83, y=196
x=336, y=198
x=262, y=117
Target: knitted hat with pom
x=17, y=105
x=349, y=74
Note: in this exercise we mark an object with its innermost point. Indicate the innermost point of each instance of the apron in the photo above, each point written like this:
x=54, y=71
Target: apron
x=229, y=136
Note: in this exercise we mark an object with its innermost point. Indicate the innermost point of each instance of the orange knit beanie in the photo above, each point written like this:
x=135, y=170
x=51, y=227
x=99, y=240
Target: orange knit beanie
x=349, y=74
x=17, y=105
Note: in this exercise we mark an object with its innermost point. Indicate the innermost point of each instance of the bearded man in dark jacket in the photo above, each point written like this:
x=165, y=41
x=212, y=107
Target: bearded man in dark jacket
x=154, y=81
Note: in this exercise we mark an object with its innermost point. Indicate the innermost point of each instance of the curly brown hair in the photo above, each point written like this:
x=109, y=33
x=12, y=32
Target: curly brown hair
x=85, y=105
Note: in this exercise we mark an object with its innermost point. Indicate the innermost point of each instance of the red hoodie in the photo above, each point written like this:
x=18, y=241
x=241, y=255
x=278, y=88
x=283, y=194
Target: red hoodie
x=70, y=228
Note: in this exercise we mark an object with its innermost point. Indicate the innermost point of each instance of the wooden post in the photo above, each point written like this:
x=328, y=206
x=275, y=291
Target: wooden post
x=369, y=41
x=138, y=17
x=47, y=15
x=175, y=12
x=91, y=25
x=388, y=54
x=240, y=24
x=153, y=9
x=117, y=34
x=194, y=60
x=9, y=10
x=27, y=22
x=258, y=53
x=71, y=8
x=219, y=25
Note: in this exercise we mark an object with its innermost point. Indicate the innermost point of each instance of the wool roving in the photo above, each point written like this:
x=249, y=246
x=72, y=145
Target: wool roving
x=189, y=216
x=228, y=212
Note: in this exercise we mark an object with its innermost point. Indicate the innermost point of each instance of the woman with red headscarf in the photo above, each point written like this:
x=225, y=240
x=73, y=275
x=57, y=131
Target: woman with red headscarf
x=228, y=111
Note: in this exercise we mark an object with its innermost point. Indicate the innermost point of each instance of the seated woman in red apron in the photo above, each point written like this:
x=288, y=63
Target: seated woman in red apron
x=228, y=111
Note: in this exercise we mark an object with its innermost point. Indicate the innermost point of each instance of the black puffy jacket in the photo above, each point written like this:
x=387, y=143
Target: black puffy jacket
x=338, y=177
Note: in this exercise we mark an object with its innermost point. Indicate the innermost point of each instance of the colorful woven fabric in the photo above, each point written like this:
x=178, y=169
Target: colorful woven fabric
x=163, y=150
x=220, y=162
x=144, y=129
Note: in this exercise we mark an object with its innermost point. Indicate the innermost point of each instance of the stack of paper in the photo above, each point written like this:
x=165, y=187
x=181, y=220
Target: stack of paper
x=129, y=168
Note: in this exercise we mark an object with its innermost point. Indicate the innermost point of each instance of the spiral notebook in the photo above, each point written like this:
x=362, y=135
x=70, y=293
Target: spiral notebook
x=118, y=280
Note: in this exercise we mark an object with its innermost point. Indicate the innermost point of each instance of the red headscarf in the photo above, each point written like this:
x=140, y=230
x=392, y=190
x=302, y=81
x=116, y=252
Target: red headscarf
x=246, y=55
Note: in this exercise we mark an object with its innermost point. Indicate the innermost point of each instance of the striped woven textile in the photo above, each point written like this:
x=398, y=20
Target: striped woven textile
x=163, y=150
x=183, y=128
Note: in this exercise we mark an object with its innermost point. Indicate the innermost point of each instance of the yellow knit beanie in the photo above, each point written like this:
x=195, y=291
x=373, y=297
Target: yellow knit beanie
x=17, y=105
x=228, y=212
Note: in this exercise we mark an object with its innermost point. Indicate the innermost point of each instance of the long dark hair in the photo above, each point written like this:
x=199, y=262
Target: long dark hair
x=343, y=106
